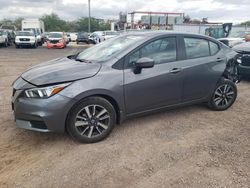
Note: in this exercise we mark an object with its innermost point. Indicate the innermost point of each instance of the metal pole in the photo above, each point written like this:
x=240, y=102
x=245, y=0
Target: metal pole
x=89, y=15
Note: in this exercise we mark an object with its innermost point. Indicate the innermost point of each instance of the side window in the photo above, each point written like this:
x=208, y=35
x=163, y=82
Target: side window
x=161, y=51
x=214, y=48
x=196, y=48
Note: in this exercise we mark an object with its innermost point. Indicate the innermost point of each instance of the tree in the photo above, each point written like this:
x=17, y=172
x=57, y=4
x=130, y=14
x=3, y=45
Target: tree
x=52, y=22
x=247, y=23
x=18, y=23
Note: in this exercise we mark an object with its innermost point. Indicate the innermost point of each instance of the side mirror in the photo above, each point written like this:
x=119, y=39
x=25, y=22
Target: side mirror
x=143, y=63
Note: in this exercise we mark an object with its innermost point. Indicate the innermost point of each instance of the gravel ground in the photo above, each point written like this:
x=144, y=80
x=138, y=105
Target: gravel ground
x=187, y=147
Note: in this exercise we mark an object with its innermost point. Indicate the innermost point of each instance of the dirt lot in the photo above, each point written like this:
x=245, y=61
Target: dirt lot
x=187, y=147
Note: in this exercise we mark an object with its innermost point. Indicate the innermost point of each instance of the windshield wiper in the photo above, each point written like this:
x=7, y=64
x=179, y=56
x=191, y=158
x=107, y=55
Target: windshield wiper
x=83, y=60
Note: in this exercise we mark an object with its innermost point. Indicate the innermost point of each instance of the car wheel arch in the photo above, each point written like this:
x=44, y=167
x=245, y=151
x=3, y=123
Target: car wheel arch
x=105, y=96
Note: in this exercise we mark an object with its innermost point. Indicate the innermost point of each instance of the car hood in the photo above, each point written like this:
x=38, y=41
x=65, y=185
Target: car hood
x=59, y=71
x=244, y=47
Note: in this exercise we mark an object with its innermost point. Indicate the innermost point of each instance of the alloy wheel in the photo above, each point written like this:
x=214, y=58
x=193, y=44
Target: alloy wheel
x=224, y=95
x=92, y=121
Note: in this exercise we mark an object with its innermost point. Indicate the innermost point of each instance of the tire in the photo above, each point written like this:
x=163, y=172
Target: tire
x=35, y=45
x=224, y=95
x=17, y=46
x=91, y=120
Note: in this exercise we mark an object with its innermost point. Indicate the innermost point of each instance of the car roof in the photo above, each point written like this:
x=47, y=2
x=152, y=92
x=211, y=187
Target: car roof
x=150, y=33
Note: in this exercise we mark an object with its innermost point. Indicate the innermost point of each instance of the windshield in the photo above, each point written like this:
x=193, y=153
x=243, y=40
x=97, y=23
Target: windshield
x=108, y=49
x=83, y=34
x=55, y=35
x=30, y=29
x=240, y=34
x=23, y=33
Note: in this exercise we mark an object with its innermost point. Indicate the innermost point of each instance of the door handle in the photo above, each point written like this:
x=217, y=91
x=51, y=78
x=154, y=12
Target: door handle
x=219, y=60
x=175, y=70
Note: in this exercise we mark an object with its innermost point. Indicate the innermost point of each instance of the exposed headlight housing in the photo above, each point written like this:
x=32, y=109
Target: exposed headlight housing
x=239, y=60
x=45, y=92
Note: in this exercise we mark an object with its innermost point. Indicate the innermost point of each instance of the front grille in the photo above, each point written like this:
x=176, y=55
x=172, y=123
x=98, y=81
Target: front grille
x=54, y=41
x=24, y=39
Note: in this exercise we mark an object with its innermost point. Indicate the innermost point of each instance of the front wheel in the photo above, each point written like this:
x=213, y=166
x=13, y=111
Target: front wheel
x=91, y=120
x=223, y=96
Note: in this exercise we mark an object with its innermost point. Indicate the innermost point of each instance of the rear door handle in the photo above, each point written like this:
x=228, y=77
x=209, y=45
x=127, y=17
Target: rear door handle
x=175, y=70
x=219, y=60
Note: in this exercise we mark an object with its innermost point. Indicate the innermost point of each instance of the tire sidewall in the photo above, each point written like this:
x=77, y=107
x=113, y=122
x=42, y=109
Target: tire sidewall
x=221, y=108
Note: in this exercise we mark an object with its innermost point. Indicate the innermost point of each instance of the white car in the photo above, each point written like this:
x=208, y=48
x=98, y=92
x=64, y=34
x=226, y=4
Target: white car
x=26, y=38
x=3, y=38
x=73, y=36
x=110, y=34
x=100, y=34
x=37, y=34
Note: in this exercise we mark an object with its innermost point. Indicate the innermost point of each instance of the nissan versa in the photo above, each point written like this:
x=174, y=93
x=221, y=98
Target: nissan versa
x=86, y=94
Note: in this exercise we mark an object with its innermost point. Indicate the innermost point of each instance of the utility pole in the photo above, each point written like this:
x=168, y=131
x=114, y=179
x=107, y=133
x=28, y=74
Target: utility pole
x=89, y=15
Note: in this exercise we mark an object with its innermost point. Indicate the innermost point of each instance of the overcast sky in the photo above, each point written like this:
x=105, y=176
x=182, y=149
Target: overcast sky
x=216, y=10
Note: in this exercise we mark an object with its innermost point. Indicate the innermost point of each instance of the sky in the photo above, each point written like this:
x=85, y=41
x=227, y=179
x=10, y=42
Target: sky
x=235, y=11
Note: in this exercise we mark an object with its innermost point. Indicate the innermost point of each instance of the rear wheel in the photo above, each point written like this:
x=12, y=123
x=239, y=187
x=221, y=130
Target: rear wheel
x=91, y=120
x=223, y=96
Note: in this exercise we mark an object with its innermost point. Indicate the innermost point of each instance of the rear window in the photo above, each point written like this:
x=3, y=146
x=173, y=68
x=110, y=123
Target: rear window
x=196, y=48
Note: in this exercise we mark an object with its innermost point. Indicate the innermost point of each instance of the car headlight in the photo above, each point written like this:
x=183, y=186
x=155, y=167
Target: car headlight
x=61, y=40
x=239, y=60
x=45, y=92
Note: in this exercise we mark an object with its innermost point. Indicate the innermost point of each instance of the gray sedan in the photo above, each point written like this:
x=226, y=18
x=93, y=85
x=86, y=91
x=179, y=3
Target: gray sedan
x=86, y=94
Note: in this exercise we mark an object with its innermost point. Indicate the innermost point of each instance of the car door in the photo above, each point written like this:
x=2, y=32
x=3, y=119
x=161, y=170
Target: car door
x=154, y=87
x=202, y=60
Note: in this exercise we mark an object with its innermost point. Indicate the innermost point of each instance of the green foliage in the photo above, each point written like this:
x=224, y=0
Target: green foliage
x=53, y=22
x=247, y=23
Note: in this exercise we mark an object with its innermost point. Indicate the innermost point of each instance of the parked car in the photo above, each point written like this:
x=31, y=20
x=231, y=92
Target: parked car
x=3, y=39
x=236, y=38
x=244, y=59
x=36, y=26
x=101, y=35
x=26, y=38
x=73, y=37
x=9, y=34
x=94, y=38
x=110, y=34
x=82, y=37
x=69, y=37
x=45, y=36
x=133, y=74
x=57, y=40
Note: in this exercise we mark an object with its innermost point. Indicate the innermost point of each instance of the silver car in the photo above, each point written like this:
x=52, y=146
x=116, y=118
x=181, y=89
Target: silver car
x=86, y=94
